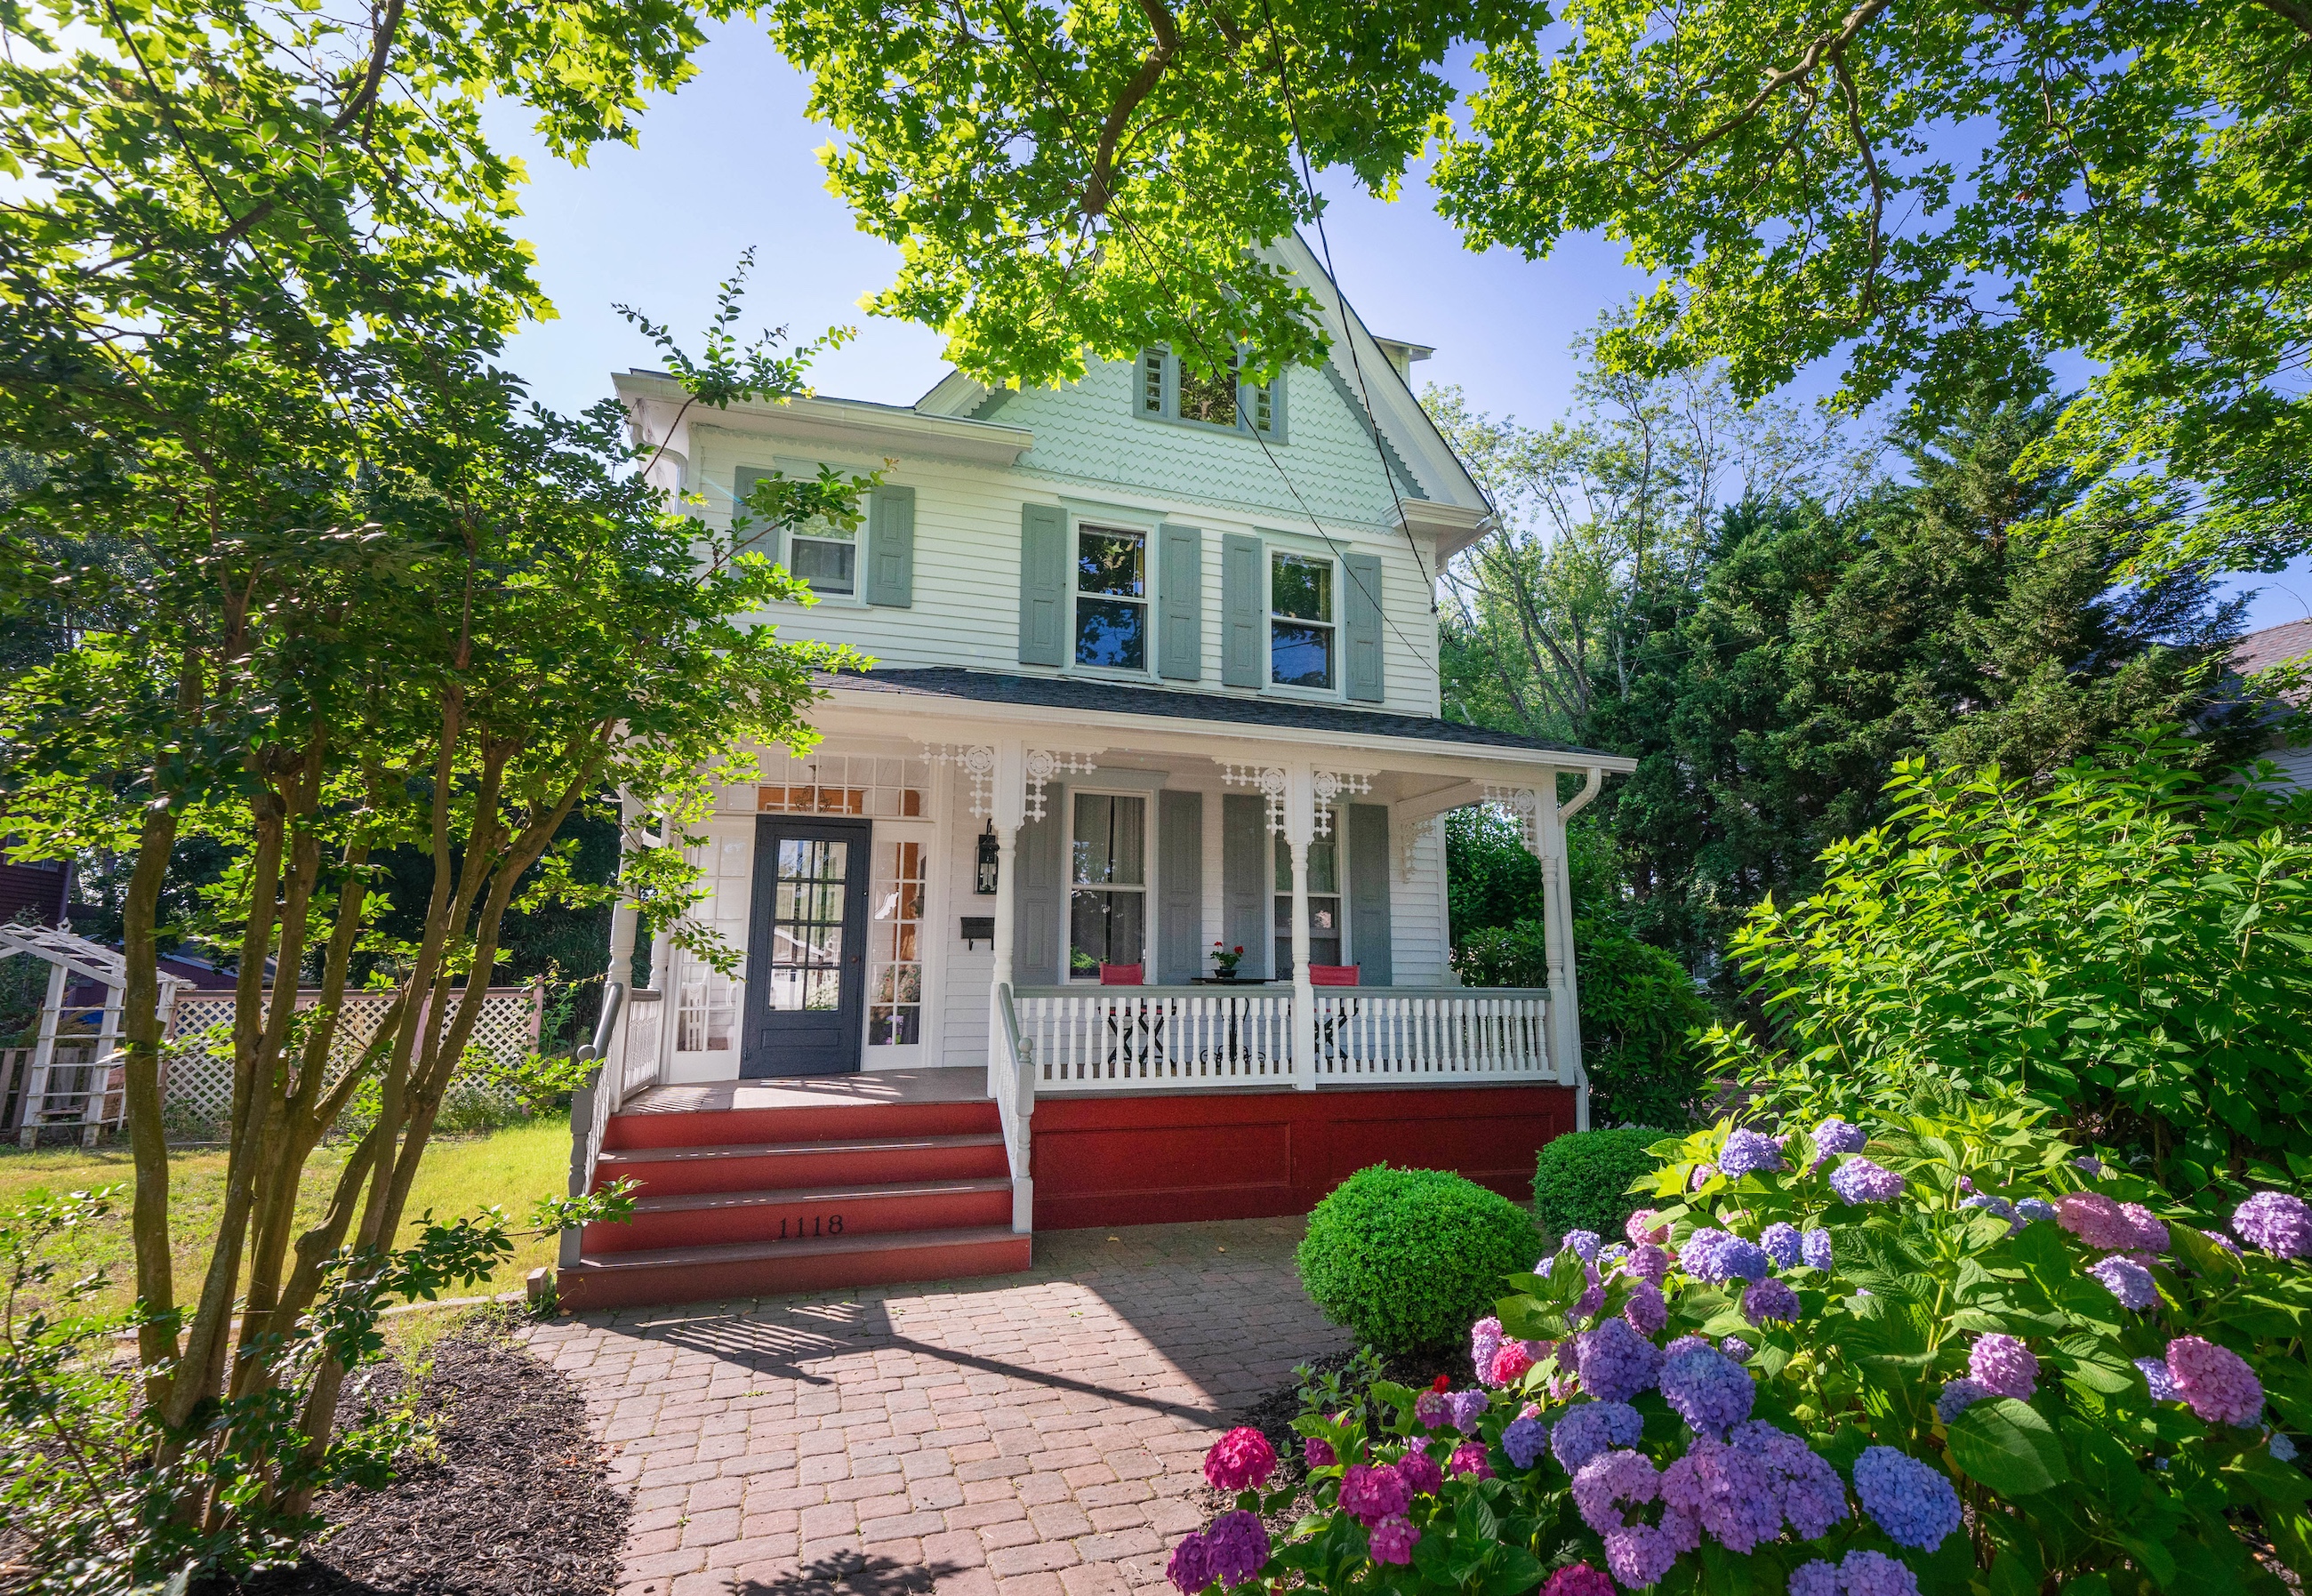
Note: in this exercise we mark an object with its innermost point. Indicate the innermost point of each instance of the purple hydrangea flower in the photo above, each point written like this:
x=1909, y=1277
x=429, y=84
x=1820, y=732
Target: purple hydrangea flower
x=1781, y=1243
x=1393, y=1540
x=1816, y=1578
x=1190, y=1568
x=1646, y=1311
x=1769, y=1299
x=1649, y=1262
x=1749, y=1153
x=1236, y=1547
x=1717, y=1256
x=1912, y=1503
x=1602, y=1485
x=1815, y=1248
x=1812, y=1497
x=2088, y=1163
x=1859, y=1180
x=1866, y=1573
x=1708, y=1389
x=1429, y=1409
x=1995, y=1204
x=1640, y=1553
x=2215, y=1380
x=1463, y=1410
x=1834, y=1136
x=2155, y=1375
x=1614, y=1362
x=2033, y=1209
x=1728, y=1490
x=2128, y=1281
x=2004, y=1366
x=1590, y=1428
x=1582, y=1245
x=1735, y=1347
x=1484, y=1340
x=1686, y=1344
x=2279, y=1224
x=1959, y=1396
x=2223, y=1241
x=1372, y=1494
x=1704, y=1174
x=1524, y=1440
x=1612, y=1253
x=1420, y=1471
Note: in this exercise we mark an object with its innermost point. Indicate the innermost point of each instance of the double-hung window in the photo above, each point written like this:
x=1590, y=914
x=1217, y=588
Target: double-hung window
x=1324, y=905
x=826, y=555
x=1167, y=389
x=1300, y=621
x=1108, y=895
x=1112, y=598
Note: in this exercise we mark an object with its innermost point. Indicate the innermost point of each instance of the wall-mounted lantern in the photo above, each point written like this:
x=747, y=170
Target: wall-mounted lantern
x=984, y=882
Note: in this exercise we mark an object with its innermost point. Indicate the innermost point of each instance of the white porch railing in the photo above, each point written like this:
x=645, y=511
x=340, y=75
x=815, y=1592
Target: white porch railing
x=1138, y=1039
x=1012, y=1082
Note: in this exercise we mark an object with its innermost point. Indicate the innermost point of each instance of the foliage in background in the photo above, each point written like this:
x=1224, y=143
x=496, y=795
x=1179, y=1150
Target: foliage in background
x=1858, y=1373
x=2125, y=948
x=1581, y=1181
x=1404, y=1258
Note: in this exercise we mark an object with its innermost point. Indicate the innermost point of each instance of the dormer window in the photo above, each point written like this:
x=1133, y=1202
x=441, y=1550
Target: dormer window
x=1167, y=390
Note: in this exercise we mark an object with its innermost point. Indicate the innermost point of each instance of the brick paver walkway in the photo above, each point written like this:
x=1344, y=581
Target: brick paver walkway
x=1040, y=1435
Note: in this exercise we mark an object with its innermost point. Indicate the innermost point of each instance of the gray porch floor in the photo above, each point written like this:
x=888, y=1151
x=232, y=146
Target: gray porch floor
x=946, y=1084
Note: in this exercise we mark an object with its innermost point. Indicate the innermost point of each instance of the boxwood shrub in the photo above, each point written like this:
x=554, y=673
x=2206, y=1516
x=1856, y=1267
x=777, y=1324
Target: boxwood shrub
x=1581, y=1181
x=1405, y=1258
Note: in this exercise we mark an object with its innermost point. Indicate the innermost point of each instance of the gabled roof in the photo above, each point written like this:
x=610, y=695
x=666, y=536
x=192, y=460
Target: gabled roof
x=2275, y=646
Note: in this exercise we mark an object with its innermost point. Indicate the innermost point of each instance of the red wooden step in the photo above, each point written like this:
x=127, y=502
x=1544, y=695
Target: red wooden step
x=723, y=1218
x=771, y=1166
x=840, y=1121
x=709, y=1274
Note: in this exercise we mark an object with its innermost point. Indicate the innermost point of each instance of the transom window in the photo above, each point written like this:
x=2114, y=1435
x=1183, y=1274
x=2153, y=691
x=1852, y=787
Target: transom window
x=1300, y=621
x=1167, y=389
x=1112, y=598
x=1324, y=905
x=1108, y=871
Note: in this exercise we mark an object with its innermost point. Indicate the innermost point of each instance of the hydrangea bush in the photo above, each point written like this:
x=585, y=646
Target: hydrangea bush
x=1916, y=1359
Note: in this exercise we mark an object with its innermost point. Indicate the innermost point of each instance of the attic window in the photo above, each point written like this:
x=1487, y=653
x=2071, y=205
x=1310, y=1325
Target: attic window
x=1166, y=390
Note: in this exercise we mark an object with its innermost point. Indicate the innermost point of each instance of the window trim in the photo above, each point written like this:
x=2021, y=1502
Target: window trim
x=1273, y=551
x=1246, y=405
x=1079, y=522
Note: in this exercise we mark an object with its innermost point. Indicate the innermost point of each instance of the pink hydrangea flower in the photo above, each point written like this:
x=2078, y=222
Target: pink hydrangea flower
x=1485, y=1341
x=2003, y=1367
x=1317, y=1454
x=1393, y=1540
x=2150, y=1232
x=1469, y=1458
x=1240, y=1460
x=1578, y=1579
x=2095, y=1219
x=1421, y=1472
x=1372, y=1494
x=1642, y=1232
x=2215, y=1380
x=1511, y=1363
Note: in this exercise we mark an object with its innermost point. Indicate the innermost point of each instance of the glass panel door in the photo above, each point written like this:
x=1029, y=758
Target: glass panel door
x=806, y=976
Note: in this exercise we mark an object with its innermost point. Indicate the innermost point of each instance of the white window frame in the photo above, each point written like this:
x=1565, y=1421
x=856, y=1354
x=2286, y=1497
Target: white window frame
x=1068, y=884
x=1273, y=550
x=1145, y=529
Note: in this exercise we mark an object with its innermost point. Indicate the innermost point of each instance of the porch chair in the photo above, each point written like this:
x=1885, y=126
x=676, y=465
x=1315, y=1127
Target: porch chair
x=1128, y=1046
x=1122, y=975
x=1329, y=1039
x=1333, y=975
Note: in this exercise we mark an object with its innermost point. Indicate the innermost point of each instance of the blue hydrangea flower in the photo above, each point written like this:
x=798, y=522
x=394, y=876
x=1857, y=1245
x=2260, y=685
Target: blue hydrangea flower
x=1866, y=1573
x=1859, y=1180
x=1780, y=1242
x=1912, y=1503
x=1735, y=1347
x=1583, y=1243
x=1769, y=1299
x=1836, y=1135
x=1996, y=1205
x=1524, y=1440
x=1614, y=1362
x=1590, y=1428
x=2155, y=1376
x=1607, y=1256
x=1718, y=1256
x=2033, y=1209
x=1710, y=1391
x=1959, y=1396
x=1813, y=1496
x=2283, y=1449
x=2127, y=1280
x=1815, y=1248
x=1749, y=1153
x=1816, y=1578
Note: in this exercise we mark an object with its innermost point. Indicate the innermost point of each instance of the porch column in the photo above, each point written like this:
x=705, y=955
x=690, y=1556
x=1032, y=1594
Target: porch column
x=1010, y=806
x=1558, y=932
x=625, y=919
x=1300, y=828
x=44, y=1053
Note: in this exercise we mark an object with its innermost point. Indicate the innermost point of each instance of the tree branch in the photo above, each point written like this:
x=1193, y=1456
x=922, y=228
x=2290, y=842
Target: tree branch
x=1823, y=44
x=1097, y=193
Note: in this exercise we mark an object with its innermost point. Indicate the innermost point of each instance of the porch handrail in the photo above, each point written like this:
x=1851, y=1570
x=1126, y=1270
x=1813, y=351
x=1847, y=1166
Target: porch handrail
x=591, y=1108
x=1012, y=1082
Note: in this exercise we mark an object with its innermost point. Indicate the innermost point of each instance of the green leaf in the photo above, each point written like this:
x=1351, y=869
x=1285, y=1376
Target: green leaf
x=2006, y=1445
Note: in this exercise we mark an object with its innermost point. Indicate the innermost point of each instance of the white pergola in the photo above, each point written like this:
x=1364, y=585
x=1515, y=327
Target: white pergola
x=68, y=955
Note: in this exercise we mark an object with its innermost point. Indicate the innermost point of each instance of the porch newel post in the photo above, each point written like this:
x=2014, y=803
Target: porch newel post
x=1011, y=803
x=1557, y=927
x=1300, y=828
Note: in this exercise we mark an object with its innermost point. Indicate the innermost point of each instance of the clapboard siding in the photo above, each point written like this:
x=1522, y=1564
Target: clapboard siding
x=1090, y=448
x=1417, y=909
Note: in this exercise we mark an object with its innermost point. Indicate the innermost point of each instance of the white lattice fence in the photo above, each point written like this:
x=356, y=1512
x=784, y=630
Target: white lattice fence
x=200, y=1076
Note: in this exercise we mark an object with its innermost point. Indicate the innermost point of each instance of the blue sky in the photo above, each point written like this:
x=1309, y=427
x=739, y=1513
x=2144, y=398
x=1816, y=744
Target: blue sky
x=730, y=163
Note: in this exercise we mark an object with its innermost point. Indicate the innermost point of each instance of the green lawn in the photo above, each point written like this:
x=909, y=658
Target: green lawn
x=509, y=1168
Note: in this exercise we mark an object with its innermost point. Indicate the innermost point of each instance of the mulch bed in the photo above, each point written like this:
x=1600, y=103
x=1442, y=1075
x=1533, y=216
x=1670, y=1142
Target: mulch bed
x=513, y=1500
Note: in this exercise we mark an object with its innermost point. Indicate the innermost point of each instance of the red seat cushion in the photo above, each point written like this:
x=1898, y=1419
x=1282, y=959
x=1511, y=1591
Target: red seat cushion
x=1333, y=975
x=1121, y=975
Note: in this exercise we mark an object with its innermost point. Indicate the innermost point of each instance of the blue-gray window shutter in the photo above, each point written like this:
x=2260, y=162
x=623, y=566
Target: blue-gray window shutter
x=1180, y=887
x=1244, y=880
x=1040, y=902
x=1361, y=616
x=766, y=537
x=1243, y=604
x=1180, y=602
x=1043, y=585
x=1369, y=877
x=892, y=547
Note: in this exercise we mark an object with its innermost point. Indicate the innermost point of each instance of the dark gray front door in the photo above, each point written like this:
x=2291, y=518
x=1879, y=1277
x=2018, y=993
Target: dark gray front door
x=806, y=970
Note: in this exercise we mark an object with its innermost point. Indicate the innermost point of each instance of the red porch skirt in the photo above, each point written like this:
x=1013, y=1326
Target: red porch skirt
x=1173, y=1157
